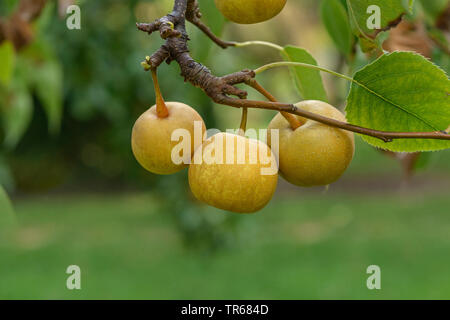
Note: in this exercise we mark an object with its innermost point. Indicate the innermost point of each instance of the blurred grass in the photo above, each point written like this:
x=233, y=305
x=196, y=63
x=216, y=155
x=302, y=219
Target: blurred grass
x=314, y=246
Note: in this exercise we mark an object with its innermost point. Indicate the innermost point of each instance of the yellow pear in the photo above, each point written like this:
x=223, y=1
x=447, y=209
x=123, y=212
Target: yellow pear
x=250, y=11
x=233, y=173
x=313, y=154
x=151, y=139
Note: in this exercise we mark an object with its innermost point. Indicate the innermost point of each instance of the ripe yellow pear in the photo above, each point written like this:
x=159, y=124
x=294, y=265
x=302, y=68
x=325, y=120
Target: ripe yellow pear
x=250, y=11
x=151, y=138
x=233, y=173
x=313, y=154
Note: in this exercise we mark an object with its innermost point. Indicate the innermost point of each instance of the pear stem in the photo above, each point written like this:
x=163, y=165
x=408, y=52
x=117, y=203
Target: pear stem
x=293, y=120
x=161, y=108
x=243, y=126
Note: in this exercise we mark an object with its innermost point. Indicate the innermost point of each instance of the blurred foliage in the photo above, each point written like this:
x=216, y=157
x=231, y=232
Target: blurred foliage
x=7, y=216
x=89, y=86
x=74, y=97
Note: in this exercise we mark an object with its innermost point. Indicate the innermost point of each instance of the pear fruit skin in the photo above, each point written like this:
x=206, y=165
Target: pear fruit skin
x=250, y=11
x=151, y=137
x=239, y=187
x=314, y=154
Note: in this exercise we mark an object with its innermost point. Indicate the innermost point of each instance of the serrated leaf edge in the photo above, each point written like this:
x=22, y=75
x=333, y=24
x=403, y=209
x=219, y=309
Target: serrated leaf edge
x=385, y=56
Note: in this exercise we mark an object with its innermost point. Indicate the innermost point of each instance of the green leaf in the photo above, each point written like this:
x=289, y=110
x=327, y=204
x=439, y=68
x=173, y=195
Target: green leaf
x=308, y=81
x=391, y=12
x=17, y=113
x=335, y=19
x=7, y=217
x=7, y=59
x=401, y=92
x=48, y=83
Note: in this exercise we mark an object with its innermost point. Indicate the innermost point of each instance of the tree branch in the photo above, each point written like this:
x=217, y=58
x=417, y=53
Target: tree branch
x=386, y=136
x=172, y=28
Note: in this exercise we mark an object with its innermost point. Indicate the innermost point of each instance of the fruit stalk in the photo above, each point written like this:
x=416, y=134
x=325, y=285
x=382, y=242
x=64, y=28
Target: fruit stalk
x=161, y=108
x=243, y=126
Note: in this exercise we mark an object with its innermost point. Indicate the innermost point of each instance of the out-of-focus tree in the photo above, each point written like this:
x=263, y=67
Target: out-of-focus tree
x=69, y=99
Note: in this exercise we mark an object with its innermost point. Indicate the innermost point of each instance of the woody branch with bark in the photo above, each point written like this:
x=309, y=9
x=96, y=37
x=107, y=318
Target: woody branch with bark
x=223, y=90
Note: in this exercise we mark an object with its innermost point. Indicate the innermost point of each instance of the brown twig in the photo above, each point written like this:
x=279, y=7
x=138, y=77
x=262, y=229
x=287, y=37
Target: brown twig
x=386, y=136
x=220, y=89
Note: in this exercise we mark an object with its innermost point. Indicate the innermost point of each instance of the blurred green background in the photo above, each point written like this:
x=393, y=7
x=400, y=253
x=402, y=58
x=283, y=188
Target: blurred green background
x=79, y=197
